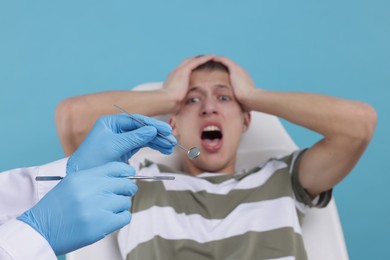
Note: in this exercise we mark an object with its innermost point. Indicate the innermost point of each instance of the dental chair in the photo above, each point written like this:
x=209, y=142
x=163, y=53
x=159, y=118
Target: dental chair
x=265, y=138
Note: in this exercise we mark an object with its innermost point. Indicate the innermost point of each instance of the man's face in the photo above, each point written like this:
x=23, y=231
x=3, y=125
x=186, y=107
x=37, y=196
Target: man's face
x=211, y=119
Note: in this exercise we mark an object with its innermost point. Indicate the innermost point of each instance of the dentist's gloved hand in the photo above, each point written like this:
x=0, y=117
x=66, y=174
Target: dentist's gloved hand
x=117, y=138
x=84, y=207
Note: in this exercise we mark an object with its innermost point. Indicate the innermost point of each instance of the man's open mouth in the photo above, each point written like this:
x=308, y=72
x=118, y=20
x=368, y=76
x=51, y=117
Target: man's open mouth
x=211, y=137
x=211, y=132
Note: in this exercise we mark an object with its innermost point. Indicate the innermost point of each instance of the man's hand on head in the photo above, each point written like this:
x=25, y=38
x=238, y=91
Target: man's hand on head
x=177, y=82
x=240, y=79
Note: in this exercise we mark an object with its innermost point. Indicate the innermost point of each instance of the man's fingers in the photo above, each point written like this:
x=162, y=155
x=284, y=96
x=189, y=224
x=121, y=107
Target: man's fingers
x=197, y=61
x=186, y=61
x=191, y=63
x=226, y=61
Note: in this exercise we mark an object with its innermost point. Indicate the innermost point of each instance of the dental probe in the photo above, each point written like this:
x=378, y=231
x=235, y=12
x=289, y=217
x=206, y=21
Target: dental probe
x=192, y=153
x=136, y=177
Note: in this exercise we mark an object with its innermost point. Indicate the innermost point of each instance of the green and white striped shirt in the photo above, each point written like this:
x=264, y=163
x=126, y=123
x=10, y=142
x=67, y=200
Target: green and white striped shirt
x=254, y=215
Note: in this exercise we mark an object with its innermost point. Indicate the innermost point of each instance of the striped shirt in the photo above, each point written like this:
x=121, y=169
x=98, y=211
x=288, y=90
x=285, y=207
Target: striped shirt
x=253, y=215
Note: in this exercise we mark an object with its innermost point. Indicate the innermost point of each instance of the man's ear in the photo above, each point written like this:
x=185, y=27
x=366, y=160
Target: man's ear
x=247, y=121
x=172, y=122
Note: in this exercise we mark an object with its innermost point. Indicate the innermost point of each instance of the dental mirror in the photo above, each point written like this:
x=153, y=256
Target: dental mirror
x=192, y=153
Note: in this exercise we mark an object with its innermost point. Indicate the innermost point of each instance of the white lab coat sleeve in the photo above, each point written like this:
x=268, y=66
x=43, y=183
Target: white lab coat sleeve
x=19, y=241
x=19, y=191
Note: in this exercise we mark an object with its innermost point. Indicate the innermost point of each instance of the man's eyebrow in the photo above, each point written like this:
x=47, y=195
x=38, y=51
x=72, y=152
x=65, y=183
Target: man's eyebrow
x=194, y=89
x=222, y=86
x=219, y=86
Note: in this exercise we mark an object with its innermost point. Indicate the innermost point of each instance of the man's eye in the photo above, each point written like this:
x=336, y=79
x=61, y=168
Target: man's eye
x=224, y=98
x=193, y=100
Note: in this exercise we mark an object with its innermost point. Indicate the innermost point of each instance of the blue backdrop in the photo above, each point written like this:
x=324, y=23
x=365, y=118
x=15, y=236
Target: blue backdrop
x=51, y=50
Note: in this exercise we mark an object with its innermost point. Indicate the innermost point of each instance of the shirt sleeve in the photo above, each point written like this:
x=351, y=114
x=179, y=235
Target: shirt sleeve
x=301, y=194
x=19, y=241
x=19, y=190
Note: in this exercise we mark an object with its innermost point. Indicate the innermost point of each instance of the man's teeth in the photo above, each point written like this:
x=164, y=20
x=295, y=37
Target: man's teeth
x=211, y=128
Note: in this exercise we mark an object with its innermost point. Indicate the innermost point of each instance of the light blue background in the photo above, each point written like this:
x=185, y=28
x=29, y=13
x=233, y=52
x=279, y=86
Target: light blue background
x=51, y=50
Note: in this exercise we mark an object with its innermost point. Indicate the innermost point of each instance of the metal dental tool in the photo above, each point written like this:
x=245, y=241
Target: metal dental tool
x=139, y=177
x=192, y=153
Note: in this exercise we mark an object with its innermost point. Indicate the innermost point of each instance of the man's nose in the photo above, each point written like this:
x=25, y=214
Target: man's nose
x=209, y=106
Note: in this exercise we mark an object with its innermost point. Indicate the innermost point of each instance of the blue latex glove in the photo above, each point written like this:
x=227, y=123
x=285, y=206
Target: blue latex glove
x=117, y=138
x=84, y=207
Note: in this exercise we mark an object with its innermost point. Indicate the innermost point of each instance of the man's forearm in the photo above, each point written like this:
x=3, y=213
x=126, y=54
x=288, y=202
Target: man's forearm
x=347, y=127
x=323, y=114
